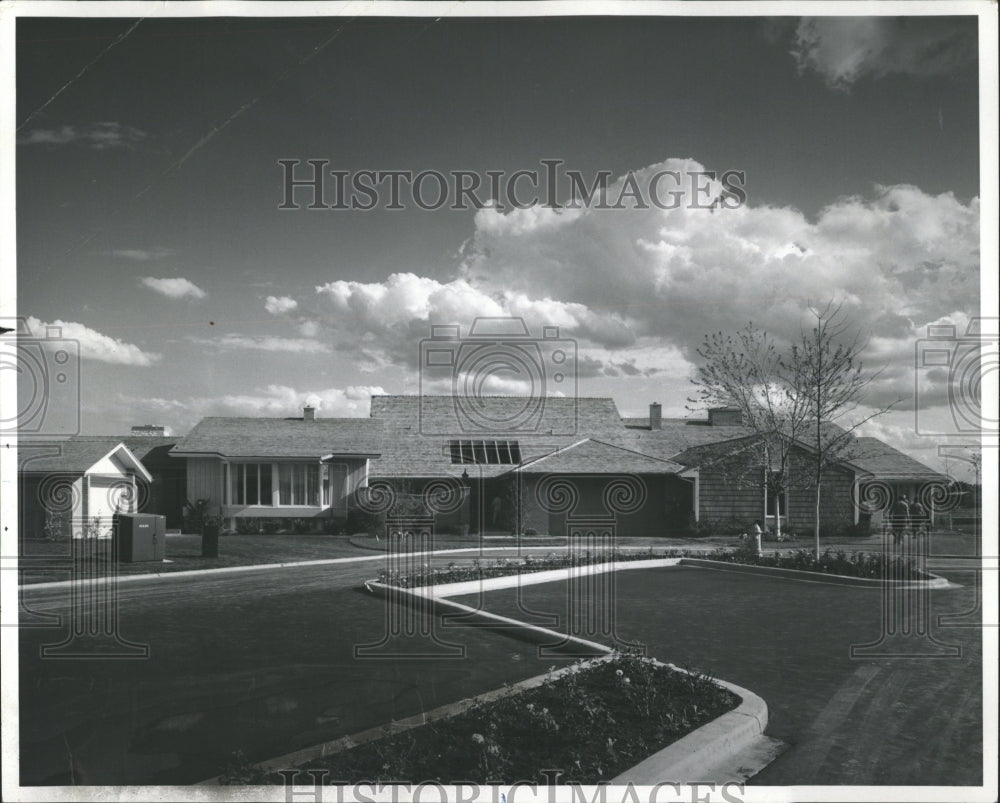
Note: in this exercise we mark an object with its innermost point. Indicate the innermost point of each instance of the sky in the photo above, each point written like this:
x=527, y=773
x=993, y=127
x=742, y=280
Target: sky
x=149, y=188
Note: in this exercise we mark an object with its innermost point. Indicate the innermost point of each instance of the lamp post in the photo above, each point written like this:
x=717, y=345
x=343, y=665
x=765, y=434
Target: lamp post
x=466, y=502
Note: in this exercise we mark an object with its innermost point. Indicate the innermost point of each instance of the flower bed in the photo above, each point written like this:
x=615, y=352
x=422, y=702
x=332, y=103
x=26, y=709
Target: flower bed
x=501, y=567
x=591, y=723
x=872, y=565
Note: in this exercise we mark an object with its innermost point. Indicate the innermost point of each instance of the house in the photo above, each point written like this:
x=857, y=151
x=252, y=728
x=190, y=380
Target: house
x=507, y=471
x=884, y=474
x=565, y=468
x=257, y=471
x=166, y=493
x=74, y=487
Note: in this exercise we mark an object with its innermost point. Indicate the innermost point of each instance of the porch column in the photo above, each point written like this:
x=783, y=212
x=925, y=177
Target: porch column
x=85, y=505
x=856, y=497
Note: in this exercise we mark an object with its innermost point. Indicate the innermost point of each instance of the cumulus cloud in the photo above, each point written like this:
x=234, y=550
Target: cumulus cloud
x=174, y=288
x=386, y=320
x=897, y=260
x=98, y=136
x=278, y=305
x=639, y=289
x=843, y=49
x=92, y=344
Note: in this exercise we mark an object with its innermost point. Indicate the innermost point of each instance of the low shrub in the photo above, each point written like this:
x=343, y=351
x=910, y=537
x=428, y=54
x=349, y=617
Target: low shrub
x=249, y=525
x=874, y=565
x=593, y=723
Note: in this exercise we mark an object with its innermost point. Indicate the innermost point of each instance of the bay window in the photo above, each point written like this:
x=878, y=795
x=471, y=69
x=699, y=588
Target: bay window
x=282, y=484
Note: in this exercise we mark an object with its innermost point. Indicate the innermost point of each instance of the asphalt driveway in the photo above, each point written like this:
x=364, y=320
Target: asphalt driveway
x=264, y=661
x=905, y=710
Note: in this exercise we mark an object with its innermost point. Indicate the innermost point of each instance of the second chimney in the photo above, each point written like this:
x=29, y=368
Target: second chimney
x=308, y=413
x=655, y=416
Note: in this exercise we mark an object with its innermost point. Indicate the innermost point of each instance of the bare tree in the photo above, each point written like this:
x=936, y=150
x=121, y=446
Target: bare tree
x=745, y=372
x=825, y=373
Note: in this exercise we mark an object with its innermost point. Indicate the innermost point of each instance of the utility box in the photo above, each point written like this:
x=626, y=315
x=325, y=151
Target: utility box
x=140, y=537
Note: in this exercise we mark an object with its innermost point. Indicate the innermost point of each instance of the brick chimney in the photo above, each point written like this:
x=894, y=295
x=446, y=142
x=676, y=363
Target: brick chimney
x=308, y=413
x=655, y=416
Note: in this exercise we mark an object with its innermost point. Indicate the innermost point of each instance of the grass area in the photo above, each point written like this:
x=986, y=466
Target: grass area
x=44, y=561
x=591, y=723
x=873, y=564
x=450, y=541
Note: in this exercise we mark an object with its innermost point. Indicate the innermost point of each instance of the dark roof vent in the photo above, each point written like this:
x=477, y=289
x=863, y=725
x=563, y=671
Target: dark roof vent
x=725, y=417
x=655, y=416
x=308, y=413
x=149, y=431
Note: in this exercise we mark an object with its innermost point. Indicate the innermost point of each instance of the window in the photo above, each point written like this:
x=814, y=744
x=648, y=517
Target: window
x=482, y=452
x=772, y=497
x=250, y=484
x=298, y=484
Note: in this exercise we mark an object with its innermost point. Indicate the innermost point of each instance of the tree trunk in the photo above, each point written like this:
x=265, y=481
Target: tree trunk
x=763, y=485
x=777, y=514
x=818, y=488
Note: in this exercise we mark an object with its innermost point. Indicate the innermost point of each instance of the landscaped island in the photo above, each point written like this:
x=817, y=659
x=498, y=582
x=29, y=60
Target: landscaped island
x=871, y=565
x=591, y=723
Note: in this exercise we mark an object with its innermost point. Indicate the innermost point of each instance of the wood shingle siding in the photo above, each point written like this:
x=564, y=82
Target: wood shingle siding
x=204, y=480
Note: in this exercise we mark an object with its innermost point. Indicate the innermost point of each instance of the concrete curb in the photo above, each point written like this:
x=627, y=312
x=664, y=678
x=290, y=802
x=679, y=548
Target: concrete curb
x=816, y=577
x=692, y=758
x=525, y=631
x=535, y=578
x=702, y=751
x=683, y=761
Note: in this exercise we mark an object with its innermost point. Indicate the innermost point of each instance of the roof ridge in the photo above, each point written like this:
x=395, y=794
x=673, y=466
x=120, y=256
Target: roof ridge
x=632, y=451
x=484, y=396
x=553, y=453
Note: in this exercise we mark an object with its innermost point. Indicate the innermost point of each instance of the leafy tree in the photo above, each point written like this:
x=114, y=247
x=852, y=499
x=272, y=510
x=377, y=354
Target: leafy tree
x=825, y=373
x=745, y=372
x=812, y=395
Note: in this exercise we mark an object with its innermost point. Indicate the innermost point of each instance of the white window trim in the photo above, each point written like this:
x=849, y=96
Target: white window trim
x=324, y=495
x=767, y=504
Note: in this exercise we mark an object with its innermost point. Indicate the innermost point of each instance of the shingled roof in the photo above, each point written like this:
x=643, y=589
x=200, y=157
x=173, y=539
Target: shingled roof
x=709, y=453
x=419, y=429
x=882, y=460
x=73, y=456
x=676, y=436
x=282, y=437
x=590, y=456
